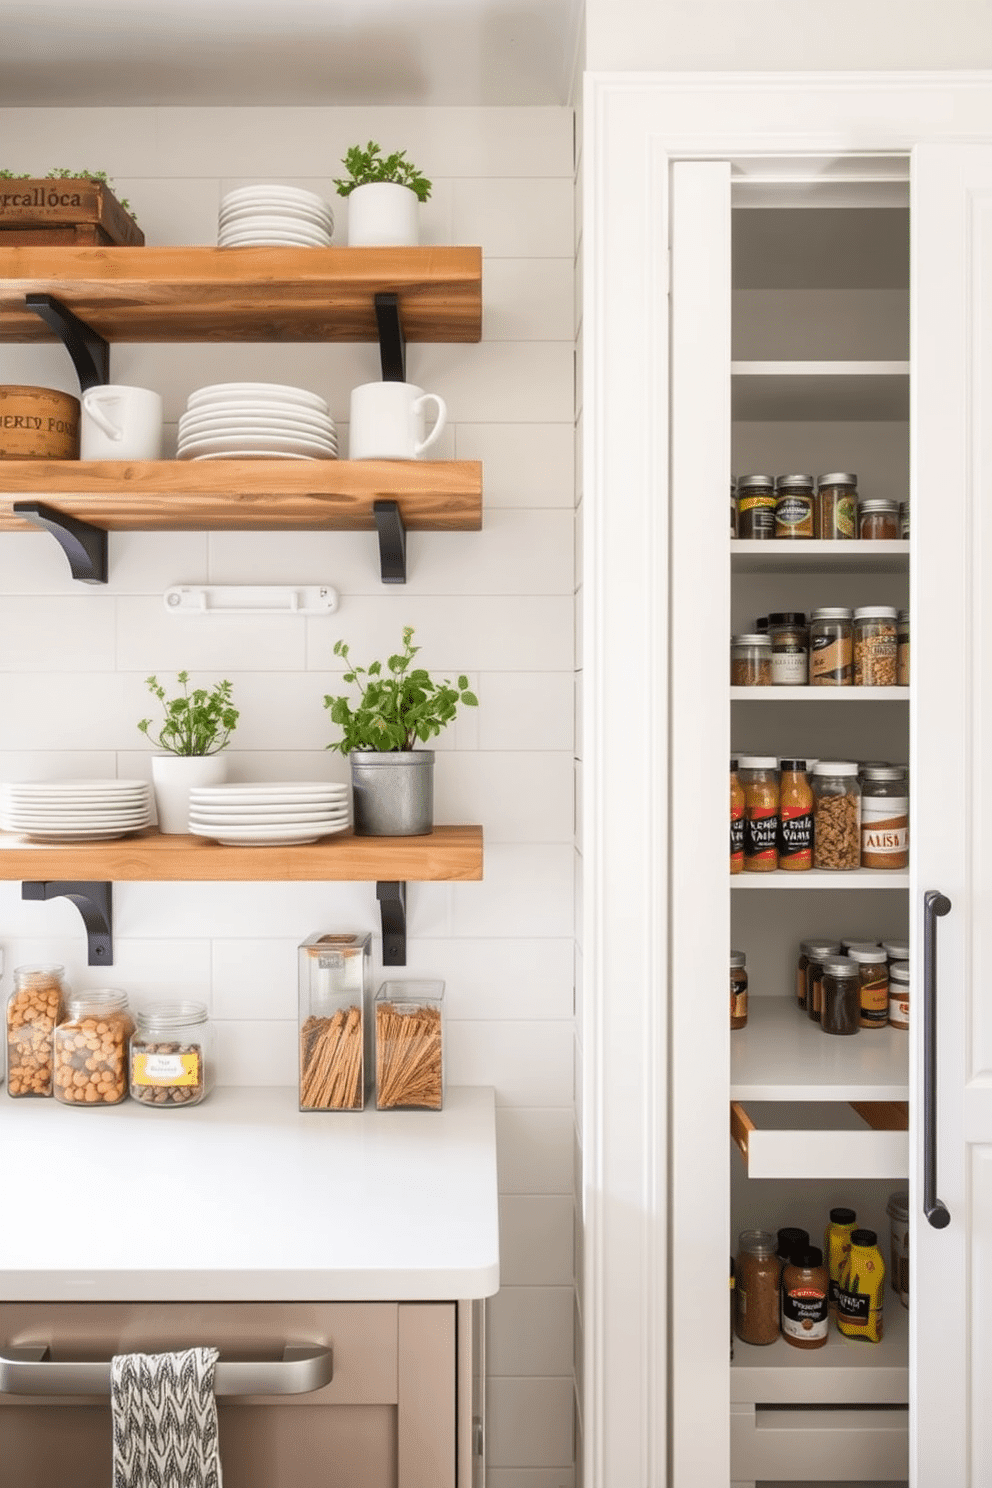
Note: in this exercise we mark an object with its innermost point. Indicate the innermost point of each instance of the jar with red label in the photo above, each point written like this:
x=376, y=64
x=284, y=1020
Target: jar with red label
x=795, y=817
x=759, y=777
x=736, y=820
x=806, y=1299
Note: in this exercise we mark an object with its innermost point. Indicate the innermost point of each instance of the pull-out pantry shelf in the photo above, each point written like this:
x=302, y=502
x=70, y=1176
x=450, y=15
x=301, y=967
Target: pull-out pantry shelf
x=831, y=1139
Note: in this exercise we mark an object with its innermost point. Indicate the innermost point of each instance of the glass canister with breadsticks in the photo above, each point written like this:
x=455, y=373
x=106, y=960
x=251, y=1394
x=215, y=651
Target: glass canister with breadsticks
x=335, y=989
x=409, y=1046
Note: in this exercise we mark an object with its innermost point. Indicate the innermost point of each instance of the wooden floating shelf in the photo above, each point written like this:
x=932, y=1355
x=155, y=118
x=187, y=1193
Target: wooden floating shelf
x=245, y=294
x=241, y=495
x=448, y=853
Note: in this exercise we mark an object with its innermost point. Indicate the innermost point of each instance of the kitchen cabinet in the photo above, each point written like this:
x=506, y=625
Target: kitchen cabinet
x=786, y=274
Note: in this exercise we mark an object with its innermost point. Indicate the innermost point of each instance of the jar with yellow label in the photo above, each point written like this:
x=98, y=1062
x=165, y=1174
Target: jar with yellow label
x=836, y=1244
x=172, y=1055
x=837, y=506
x=861, y=1289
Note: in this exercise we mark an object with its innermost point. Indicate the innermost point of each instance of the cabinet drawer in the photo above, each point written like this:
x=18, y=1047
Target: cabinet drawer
x=822, y=1139
x=819, y=1446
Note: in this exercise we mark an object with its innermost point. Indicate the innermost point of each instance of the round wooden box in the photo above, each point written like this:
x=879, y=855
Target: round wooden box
x=38, y=424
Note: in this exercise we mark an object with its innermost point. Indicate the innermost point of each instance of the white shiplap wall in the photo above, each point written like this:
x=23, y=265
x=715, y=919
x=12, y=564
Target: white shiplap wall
x=498, y=605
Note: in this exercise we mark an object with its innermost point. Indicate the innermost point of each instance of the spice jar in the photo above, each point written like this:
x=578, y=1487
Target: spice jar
x=806, y=1299
x=795, y=500
x=836, y=815
x=896, y=950
x=899, y=994
x=837, y=506
x=875, y=646
x=90, y=1049
x=788, y=1240
x=736, y=820
x=756, y=506
x=819, y=951
x=35, y=1006
x=898, y=1211
x=831, y=647
x=878, y=519
x=758, y=1275
x=810, y=952
x=759, y=777
x=902, y=649
x=884, y=816
x=841, y=1013
x=861, y=1289
x=795, y=817
x=738, y=990
x=171, y=1055
x=836, y=1245
x=873, y=983
x=750, y=660
x=790, y=648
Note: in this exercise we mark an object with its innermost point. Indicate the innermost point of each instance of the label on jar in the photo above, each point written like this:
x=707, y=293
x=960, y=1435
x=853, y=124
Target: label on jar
x=898, y=1008
x=794, y=516
x=875, y=660
x=805, y=1313
x=838, y=514
x=165, y=1069
x=853, y=1307
x=789, y=668
x=795, y=837
x=761, y=837
x=737, y=837
x=756, y=515
x=874, y=993
x=738, y=997
x=884, y=831
x=830, y=660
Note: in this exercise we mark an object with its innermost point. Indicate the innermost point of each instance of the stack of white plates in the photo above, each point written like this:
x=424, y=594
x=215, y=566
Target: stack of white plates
x=256, y=420
x=274, y=216
x=270, y=814
x=76, y=810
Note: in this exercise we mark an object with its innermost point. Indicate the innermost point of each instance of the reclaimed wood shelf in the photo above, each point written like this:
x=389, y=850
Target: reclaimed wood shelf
x=246, y=495
x=446, y=854
x=186, y=294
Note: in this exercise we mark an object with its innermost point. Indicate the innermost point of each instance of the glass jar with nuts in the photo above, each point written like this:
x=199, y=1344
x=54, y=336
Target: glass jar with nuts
x=171, y=1055
x=90, y=1049
x=875, y=646
x=836, y=815
x=35, y=1006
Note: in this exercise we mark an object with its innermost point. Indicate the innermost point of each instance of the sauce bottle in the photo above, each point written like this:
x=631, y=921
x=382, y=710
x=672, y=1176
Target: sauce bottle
x=836, y=1244
x=805, y=1299
x=736, y=821
x=861, y=1289
x=795, y=817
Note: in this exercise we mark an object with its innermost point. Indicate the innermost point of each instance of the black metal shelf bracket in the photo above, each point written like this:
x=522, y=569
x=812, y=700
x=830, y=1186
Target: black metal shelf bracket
x=95, y=903
x=84, y=545
x=392, y=541
x=391, y=895
x=392, y=342
x=90, y=353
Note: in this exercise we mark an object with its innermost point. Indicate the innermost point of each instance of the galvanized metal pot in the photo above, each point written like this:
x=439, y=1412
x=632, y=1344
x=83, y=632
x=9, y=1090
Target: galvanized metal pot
x=393, y=792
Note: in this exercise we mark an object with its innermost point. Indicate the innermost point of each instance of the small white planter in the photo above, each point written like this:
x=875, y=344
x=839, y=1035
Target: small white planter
x=173, y=776
x=383, y=214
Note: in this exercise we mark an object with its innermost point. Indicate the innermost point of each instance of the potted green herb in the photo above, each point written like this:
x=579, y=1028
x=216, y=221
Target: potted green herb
x=398, y=706
x=196, y=727
x=383, y=194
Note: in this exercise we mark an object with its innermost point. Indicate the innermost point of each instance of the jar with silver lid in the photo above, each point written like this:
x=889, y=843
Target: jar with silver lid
x=831, y=647
x=836, y=815
x=884, y=816
x=756, y=506
x=841, y=1014
x=875, y=646
x=795, y=501
x=750, y=660
x=896, y=950
x=811, y=955
x=878, y=519
x=790, y=648
x=899, y=994
x=172, y=1055
x=873, y=983
x=837, y=506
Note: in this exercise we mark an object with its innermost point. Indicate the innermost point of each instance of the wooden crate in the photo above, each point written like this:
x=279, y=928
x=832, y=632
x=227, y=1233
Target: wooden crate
x=43, y=213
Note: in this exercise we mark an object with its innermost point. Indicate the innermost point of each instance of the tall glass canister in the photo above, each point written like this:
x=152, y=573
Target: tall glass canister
x=335, y=990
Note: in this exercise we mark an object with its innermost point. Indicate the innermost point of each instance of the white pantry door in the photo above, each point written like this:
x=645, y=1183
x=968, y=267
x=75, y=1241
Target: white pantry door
x=951, y=808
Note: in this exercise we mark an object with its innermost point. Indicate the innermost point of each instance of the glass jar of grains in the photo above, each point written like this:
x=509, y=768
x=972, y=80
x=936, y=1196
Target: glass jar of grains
x=884, y=816
x=90, y=1049
x=171, y=1055
x=750, y=661
x=902, y=649
x=837, y=506
x=841, y=1012
x=836, y=815
x=875, y=646
x=878, y=519
x=873, y=983
x=756, y=506
x=759, y=777
x=738, y=990
x=795, y=500
x=790, y=648
x=756, y=1291
x=831, y=647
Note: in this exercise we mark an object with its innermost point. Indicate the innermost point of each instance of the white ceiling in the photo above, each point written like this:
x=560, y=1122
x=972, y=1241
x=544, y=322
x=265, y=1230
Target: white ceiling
x=105, y=53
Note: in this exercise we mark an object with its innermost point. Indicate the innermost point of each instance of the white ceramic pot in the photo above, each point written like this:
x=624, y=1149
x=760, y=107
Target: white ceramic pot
x=173, y=776
x=383, y=214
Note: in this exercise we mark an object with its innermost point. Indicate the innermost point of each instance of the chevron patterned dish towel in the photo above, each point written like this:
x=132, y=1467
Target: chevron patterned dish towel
x=164, y=1415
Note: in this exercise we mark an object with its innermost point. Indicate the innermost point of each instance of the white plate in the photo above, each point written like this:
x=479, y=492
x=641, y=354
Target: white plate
x=240, y=430
x=321, y=222
x=220, y=423
x=266, y=444
x=271, y=240
x=80, y=787
x=275, y=189
x=235, y=790
x=255, y=454
x=213, y=391
x=110, y=835
x=276, y=837
x=241, y=821
x=65, y=817
x=269, y=406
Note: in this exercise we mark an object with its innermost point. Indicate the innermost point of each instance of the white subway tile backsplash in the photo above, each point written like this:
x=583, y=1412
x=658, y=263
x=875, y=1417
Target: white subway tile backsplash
x=33, y=563
x=502, y=382
x=528, y=1063
x=528, y=299
x=530, y=1425
x=529, y=1331
x=534, y=1147
x=527, y=890
x=522, y=464
x=514, y=217
x=172, y=212
x=535, y=1240
x=518, y=797
x=54, y=633
x=255, y=979
x=151, y=640
x=151, y=562
x=463, y=633
x=227, y=910
x=525, y=710
x=56, y=764
x=46, y=709
x=124, y=141
x=249, y=1053
x=489, y=980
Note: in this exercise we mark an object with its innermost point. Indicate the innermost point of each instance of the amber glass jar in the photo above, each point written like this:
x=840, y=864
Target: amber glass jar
x=902, y=649
x=736, y=820
x=806, y=1299
x=841, y=1000
x=759, y=777
x=878, y=519
x=873, y=983
x=757, y=1280
x=837, y=506
x=816, y=952
x=738, y=990
x=795, y=817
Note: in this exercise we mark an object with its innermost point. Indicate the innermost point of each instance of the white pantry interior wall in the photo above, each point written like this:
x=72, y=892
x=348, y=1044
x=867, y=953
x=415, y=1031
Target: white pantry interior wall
x=497, y=604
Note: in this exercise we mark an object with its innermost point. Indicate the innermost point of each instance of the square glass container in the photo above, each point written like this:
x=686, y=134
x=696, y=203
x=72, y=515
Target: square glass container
x=335, y=974
x=409, y=1046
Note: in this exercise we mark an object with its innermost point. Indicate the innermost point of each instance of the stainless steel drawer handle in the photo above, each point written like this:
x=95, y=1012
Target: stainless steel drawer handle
x=29, y=1371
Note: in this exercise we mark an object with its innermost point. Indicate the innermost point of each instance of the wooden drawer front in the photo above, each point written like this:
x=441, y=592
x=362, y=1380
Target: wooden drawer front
x=819, y=1446
x=785, y=1139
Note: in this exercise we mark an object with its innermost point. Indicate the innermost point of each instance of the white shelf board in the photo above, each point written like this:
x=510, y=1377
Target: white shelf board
x=823, y=878
x=845, y=1371
x=807, y=555
x=876, y=392
x=782, y=1055
x=819, y=694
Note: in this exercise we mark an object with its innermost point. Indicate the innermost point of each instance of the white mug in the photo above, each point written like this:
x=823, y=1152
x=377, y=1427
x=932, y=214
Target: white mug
x=388, y=421
x=120, y=423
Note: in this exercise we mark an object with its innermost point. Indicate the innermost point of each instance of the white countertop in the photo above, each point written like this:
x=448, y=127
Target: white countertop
x=246, y=1198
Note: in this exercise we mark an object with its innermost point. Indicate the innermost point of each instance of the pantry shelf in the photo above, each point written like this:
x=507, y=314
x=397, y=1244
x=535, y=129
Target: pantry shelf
x=845, y=1371
x=184, y=294
x=819, y=694
x=749, y=555
x=822, y=878
x=876, y=392
x=782, y=1055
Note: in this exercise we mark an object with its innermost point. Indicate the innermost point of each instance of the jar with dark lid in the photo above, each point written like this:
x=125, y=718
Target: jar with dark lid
x=831, y=647
x=884, y=817
x=736, y=820
x=756, y=506
x=790, y=648
x=750, y=660
x=806, y=1299
x=809, y=967
x=795, y=501
x=837, y=506
x=788, y=1240
x=898, y=1211
x=875, y=646
x=902, y=649
x=836, y=1244
x=795, y=817
x=878, y=519
x=899, y=994
x=759, y=777
x=758, y=1275
x=738, y=990
x=841, y=1001
x=873, y=983
x=761, y=625
x=836, y=815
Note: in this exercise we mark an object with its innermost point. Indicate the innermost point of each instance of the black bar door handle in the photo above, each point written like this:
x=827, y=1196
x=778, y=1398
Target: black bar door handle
x=935, y=905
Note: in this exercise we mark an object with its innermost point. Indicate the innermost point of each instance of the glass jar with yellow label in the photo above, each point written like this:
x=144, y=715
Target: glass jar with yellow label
x=172, y=1055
